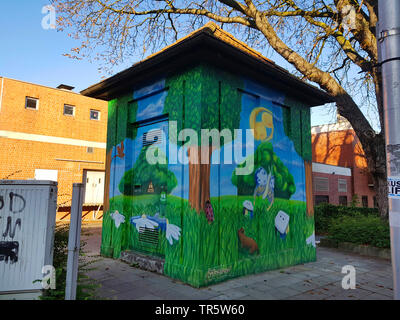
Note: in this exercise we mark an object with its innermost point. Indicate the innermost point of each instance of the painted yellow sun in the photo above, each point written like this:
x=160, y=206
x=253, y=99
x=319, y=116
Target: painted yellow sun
x=264, y=129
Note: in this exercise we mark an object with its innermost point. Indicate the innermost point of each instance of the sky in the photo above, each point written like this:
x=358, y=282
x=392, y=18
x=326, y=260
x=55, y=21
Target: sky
x=33, y=54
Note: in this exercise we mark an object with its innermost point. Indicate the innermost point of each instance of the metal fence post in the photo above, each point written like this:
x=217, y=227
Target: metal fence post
x=74, y=239
x=389, y=60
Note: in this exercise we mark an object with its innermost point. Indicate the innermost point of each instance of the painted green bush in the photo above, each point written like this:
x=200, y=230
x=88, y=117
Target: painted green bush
x=266, y=158
x=143, y=173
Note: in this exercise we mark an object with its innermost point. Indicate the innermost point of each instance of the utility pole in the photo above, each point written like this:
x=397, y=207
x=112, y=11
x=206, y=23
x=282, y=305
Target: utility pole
x=389, y=60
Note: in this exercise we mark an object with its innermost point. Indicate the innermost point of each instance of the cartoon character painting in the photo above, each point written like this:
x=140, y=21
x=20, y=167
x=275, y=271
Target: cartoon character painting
x=282, y=224
x=248, y=209
x=265, y=183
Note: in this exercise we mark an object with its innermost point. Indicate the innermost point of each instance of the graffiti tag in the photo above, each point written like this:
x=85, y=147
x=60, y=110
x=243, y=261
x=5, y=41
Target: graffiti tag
x=9, y=249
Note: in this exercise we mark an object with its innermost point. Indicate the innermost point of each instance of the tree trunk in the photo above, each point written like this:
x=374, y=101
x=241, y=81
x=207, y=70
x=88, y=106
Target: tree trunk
x=199, y=178
x=375, y=153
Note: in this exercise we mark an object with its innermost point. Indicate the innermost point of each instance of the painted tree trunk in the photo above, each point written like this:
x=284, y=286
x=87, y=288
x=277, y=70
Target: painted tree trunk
x=199, y=177
x=309, y=191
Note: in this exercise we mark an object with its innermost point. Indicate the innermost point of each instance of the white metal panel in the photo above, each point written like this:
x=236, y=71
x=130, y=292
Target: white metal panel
x=29, y=208
x=94, y=187
x=329, y=169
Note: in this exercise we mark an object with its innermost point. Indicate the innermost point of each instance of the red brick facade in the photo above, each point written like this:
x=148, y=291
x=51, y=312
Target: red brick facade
x=46, y=138
x=338, y=145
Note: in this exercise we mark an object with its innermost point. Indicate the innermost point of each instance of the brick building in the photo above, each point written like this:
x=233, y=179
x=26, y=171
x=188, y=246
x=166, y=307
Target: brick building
x=340, y=168
x=53, y=134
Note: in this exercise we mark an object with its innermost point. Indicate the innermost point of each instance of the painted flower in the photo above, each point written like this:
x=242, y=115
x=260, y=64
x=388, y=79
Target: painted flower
x=173, y=232
x=162, y=222
x=143, y=222
x=118, y=218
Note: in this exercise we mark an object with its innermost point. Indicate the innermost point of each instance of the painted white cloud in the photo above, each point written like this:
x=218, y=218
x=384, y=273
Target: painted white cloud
x=153, y=109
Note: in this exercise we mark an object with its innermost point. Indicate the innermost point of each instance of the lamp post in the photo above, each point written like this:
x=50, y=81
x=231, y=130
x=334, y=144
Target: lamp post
x=389, y=61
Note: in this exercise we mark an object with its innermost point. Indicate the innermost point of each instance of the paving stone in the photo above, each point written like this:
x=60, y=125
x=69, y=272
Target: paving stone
x=311, y=281
x=235, y=293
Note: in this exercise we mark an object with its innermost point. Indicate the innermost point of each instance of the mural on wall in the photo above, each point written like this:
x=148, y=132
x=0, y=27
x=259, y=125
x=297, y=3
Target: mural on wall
x=207, y=222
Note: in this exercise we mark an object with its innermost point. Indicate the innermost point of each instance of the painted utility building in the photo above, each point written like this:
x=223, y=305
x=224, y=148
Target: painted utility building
x=209, y=160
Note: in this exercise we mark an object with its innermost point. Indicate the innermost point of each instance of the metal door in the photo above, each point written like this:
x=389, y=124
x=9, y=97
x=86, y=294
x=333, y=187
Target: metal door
x=94, y=189
x=150, y=184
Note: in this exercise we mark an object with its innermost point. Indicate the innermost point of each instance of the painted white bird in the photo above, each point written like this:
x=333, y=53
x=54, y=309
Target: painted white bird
x=118, y=218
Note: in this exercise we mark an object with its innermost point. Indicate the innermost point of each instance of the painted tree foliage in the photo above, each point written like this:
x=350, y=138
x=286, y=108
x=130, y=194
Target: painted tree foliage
x=203, y=98
x=265, y=157
x=331, y=43
x=144, y=174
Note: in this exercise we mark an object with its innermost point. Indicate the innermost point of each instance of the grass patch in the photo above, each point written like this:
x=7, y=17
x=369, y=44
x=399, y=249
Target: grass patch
x=208, y=253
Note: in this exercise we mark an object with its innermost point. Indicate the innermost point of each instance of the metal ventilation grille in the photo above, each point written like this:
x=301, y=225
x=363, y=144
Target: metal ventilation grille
x=149, y=236
x=152, y=137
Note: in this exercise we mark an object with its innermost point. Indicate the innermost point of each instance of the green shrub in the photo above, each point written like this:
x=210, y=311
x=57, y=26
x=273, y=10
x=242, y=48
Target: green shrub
x=361, y=229
x=85, y=287
x=325, y=213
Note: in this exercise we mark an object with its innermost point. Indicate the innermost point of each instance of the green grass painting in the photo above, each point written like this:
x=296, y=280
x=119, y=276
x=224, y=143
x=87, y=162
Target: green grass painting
x=209, y=253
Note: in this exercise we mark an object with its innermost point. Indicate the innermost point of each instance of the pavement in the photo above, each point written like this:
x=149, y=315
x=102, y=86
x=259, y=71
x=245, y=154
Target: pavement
x=320, y=280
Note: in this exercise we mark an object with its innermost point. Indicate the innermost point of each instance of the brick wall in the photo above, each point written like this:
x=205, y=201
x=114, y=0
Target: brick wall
x=342, y=148
x=333, y=192
x=20, y=157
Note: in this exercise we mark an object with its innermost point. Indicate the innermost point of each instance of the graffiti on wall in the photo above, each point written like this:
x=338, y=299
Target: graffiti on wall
x=11, y=214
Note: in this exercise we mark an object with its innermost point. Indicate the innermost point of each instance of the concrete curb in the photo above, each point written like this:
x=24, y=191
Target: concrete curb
x=363, y=250
x=143, y=261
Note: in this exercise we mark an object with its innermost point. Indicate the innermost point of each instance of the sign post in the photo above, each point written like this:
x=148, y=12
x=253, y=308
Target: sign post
x=389, y=60
x=74, y=240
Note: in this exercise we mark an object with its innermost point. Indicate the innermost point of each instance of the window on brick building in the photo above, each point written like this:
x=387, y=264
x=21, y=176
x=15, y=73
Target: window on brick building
x=321, y=184
x=321, y=199
x=375, y=203
x=342, y=185
x=364, y=201
x=69, y=110
x=31, y=103
x=94, y=115
x=343, y=200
